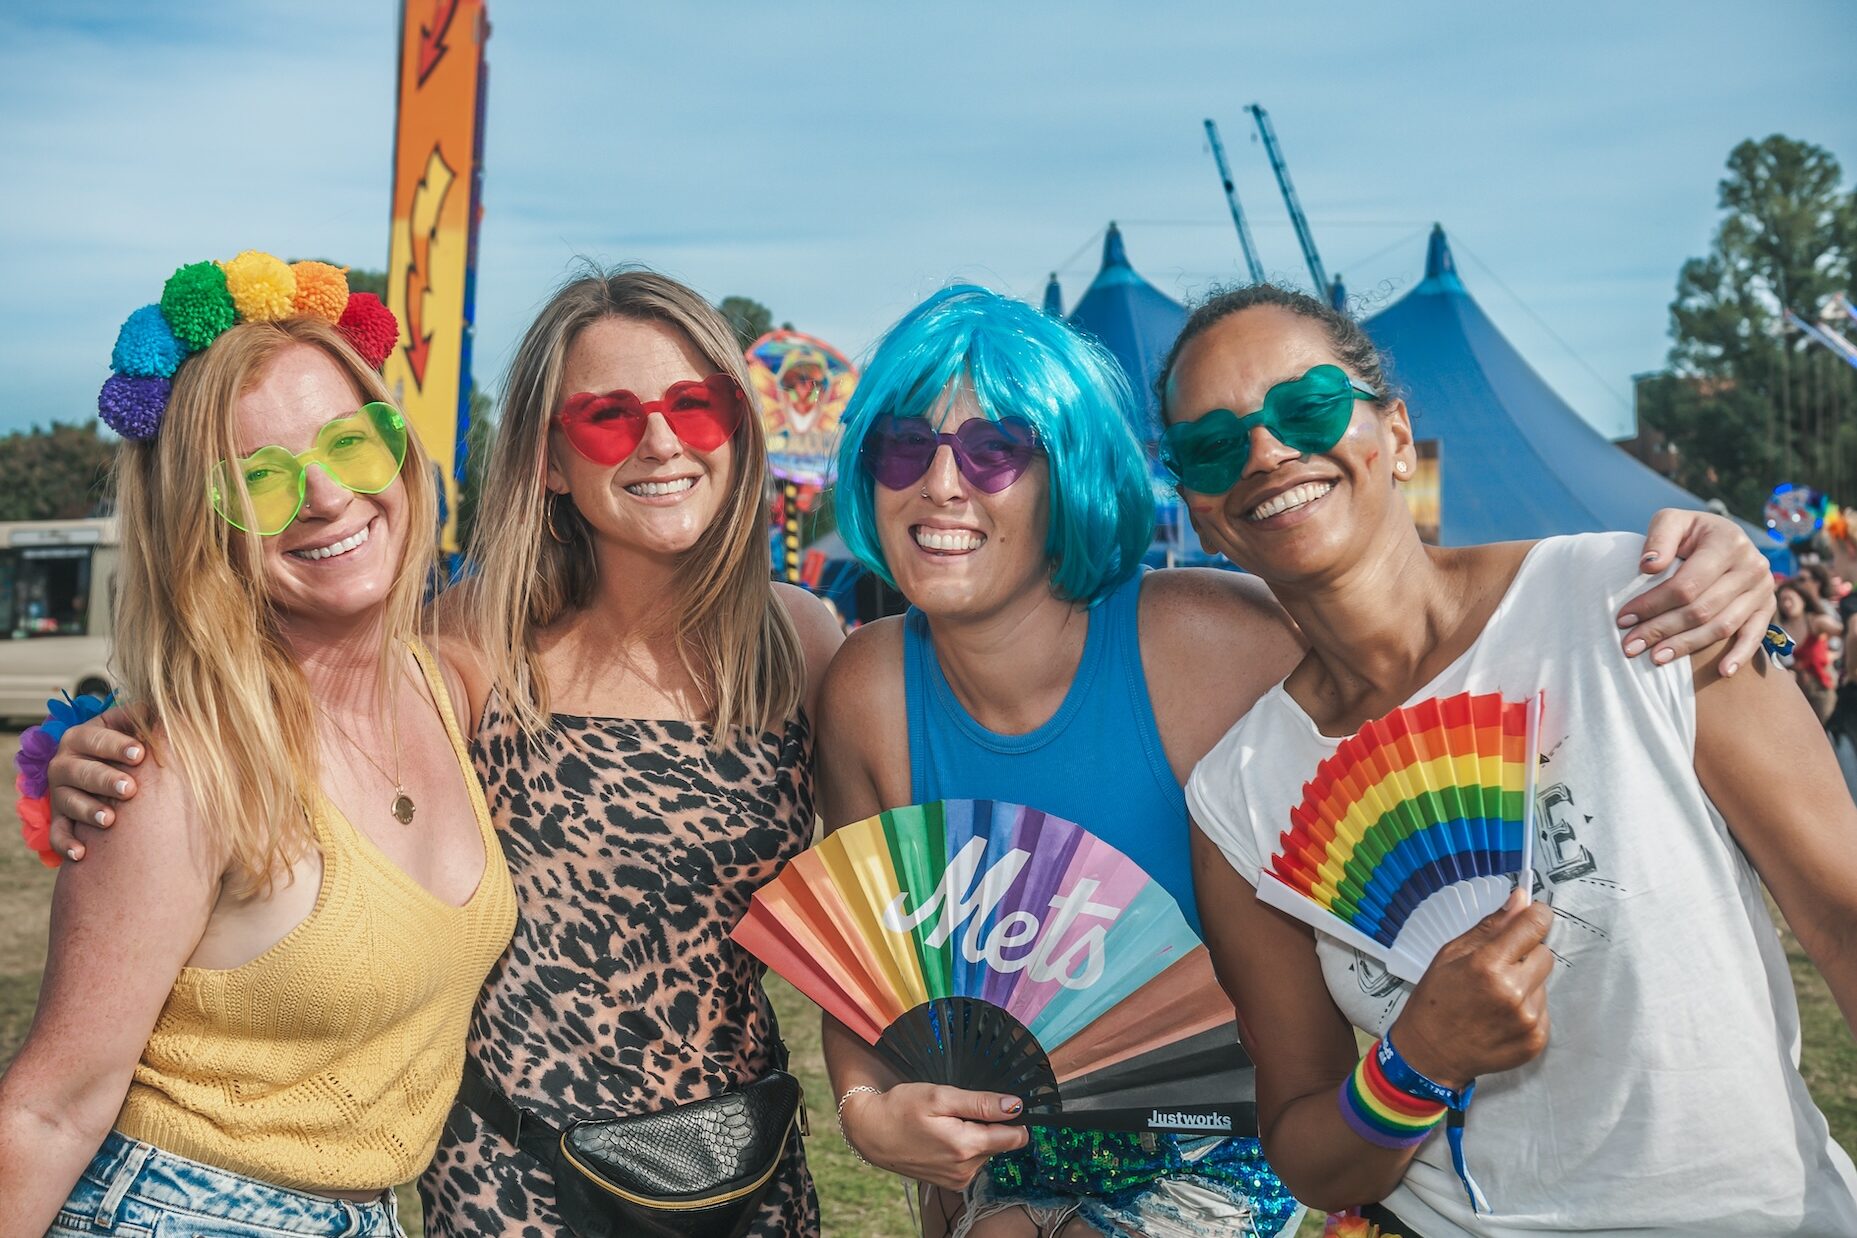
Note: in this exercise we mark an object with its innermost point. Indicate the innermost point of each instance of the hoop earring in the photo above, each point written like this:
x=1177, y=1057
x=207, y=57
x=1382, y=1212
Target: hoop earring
x=548, y=518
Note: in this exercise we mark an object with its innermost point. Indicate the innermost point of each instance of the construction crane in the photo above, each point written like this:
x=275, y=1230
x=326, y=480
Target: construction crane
x=1231, y=198
x=1316, y=273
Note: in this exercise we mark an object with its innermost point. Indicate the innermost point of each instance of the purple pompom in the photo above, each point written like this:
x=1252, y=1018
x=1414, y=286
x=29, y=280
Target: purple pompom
x=132, y=404
x=36, y=750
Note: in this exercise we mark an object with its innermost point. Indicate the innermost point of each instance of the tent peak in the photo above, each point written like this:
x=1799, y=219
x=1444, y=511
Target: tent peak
x=1054, y=297
x=1440, y=267
x=1114, y=255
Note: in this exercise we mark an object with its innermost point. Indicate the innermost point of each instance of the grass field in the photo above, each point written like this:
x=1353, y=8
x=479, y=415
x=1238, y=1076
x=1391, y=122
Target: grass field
x=857, y=1201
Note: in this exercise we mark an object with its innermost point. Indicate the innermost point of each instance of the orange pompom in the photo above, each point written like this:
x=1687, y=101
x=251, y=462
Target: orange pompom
x=322, y=290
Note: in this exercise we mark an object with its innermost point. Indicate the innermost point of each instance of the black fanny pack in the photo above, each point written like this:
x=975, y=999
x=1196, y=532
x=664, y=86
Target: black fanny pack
x=692, y=1171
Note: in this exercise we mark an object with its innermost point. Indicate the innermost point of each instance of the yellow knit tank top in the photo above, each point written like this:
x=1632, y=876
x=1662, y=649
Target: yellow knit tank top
x=330, y=1061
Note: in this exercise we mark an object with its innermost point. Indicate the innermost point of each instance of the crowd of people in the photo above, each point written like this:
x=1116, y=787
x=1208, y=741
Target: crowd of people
x=361, y=889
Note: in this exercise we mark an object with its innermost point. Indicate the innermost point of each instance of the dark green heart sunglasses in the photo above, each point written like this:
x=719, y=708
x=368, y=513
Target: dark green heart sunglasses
x=1307, y=415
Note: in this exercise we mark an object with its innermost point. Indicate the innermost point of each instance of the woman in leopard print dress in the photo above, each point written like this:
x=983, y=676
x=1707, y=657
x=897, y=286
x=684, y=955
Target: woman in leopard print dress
x=644, y=742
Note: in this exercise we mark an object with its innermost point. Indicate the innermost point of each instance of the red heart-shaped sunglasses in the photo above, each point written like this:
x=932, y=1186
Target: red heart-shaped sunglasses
x=607, y=427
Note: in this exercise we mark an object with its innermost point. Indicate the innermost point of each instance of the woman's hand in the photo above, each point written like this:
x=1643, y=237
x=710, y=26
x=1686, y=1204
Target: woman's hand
x=931, y=1133
x=1481, y=1006
x=87, y=777
x=1722, y=591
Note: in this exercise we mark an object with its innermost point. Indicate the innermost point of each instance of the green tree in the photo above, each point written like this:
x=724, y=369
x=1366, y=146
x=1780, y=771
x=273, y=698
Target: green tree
x=59, y=473
x=749, y=317
x=1747, y=401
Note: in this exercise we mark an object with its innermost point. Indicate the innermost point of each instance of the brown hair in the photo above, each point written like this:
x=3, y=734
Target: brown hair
x=198, y=643
x=733, y=633
x=1350, y=341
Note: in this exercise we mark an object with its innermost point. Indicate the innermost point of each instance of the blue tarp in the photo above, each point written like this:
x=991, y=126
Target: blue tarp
x=1515, y=461
x=1134, y=320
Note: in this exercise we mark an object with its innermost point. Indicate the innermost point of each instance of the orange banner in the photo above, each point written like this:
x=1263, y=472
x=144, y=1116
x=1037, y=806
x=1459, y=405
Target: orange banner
x=437, y=176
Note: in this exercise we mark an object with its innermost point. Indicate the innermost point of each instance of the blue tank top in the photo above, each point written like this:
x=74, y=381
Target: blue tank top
x=1097, y=761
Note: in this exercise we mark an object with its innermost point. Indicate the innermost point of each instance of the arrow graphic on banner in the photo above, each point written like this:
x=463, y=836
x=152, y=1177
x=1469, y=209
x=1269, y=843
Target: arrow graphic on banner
x=422, y=220
x=432, y=45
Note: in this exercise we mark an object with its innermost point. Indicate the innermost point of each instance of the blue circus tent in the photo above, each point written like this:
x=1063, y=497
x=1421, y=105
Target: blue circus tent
x=1133, y=319
x=1515, y=461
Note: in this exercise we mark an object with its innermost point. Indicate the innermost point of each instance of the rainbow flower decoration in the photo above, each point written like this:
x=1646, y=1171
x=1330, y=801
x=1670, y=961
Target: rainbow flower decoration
x=202, y=301
x=37, y=746
x=1416, y=828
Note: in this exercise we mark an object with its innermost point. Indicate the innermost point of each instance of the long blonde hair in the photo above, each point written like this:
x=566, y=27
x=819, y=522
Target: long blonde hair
x=198, y=642
x=732, y=632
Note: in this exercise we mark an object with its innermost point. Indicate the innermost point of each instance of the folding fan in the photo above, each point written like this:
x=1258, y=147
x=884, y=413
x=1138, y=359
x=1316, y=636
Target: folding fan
x=996, y=948
x=1418, y=826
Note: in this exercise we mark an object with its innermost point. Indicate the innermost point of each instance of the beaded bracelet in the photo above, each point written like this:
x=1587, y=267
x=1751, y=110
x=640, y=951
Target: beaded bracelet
x=849, y=1093
x=1391, y=1105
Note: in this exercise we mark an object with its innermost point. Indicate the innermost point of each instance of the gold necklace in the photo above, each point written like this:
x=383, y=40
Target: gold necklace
x=403, y=807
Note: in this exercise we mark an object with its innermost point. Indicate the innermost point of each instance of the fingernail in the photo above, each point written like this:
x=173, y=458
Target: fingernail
x=1011, y=1104
x=1650, y=556
x=102, y=818
x=1728, y=668
x=1663, y=655
x=1627, y=621
x=134, y=754
x=122, y=786
x=1634, y=648
x=74, y=854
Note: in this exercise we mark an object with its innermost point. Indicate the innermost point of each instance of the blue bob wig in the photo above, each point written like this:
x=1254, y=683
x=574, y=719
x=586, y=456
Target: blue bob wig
x=1015, y=359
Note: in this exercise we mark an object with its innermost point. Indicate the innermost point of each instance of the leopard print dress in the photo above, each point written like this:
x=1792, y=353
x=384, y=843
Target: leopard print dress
x=634, y=847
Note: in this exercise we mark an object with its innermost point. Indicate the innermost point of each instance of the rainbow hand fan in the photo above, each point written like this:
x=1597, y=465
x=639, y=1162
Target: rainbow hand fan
x=1416, y=828
x=995, y=948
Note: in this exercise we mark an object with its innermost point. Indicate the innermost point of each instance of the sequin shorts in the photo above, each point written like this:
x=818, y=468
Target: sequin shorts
x=1155, y=1186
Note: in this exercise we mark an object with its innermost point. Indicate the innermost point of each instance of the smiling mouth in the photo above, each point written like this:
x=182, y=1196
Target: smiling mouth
x=1290, y=500
x=336, y=550
x=657, y=489
x=947, y=541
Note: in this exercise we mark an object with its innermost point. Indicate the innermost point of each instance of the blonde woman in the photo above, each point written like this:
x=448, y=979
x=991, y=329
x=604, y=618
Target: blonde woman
x=644, y=701
x=253, y=1012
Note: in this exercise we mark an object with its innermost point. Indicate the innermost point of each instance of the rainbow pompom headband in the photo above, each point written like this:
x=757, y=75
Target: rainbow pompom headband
x=203, y=300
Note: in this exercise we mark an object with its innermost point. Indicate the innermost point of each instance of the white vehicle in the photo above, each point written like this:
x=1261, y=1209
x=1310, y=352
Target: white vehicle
x=57, y=586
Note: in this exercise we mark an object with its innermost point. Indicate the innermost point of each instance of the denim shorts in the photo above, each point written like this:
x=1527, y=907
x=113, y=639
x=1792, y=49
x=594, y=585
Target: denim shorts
x=136, y=1190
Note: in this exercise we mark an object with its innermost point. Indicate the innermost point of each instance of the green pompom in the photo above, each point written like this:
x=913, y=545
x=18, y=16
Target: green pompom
x=196, y=304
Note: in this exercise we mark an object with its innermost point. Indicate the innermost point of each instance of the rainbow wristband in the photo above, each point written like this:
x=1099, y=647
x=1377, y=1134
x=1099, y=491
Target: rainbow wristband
x=1382, y=1114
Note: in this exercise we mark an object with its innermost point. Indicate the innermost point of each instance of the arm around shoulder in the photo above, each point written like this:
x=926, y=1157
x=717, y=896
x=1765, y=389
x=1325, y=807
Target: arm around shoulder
x=820, y=635
x=1763, y=759
x=123, y=925
x=863, y=727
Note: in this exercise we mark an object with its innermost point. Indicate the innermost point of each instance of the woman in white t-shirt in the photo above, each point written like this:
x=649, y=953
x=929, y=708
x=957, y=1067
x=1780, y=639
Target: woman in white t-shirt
x=1667, y=1098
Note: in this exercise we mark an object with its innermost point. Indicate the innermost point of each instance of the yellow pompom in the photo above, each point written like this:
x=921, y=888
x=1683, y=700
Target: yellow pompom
x=262, y=287
x=322, y=290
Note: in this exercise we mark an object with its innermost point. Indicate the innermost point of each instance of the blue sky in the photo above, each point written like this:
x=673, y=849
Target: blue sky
x=840, y=161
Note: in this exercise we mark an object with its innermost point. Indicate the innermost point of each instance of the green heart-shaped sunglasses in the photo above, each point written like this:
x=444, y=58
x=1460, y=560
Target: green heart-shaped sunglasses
x=362, y=451
x=1307, y=414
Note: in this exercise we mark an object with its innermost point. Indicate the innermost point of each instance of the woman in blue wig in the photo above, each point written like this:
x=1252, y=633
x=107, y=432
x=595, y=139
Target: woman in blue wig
x=988, y=471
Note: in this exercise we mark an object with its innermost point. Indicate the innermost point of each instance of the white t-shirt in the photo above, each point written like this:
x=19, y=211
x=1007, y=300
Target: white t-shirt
x=1668, y=1100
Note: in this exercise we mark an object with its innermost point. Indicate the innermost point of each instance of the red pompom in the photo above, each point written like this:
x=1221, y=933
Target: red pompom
x=370, y=327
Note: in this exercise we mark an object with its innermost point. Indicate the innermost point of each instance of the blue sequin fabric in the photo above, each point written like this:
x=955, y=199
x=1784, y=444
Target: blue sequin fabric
x=1058, y=1164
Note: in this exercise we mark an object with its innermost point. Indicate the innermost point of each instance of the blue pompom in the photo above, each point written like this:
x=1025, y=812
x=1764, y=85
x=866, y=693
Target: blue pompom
x=146, y=346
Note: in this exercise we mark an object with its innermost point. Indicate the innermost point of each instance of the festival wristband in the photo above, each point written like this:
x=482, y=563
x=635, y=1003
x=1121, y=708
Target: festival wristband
x=1402, y=1078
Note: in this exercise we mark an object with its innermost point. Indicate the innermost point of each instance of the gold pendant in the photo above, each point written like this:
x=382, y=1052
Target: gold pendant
x=403, y=808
